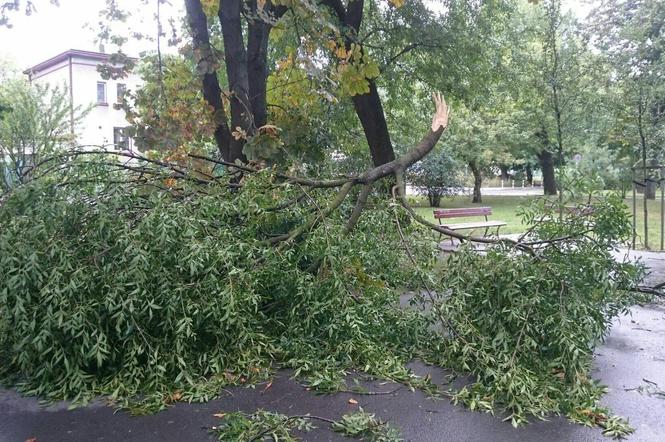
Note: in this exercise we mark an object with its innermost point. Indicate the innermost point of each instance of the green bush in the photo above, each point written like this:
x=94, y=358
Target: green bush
x=119, y=290
x=525, y=325
x=436, y=176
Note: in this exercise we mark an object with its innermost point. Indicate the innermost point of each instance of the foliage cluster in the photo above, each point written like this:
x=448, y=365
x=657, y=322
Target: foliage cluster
x=361, y=424
x=160, y=291
x=261, y=425
x=121, y=290
x=168, y=111
x=525, y=326
x=35, y=121
x=436, y=176
x=265, y=425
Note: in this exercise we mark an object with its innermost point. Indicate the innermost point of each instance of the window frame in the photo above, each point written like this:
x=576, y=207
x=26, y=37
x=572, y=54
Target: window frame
x=122, y=141
x=103, y=102
x=120, y=97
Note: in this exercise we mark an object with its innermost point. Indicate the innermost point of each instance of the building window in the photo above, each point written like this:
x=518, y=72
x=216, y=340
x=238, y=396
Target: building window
x=101, y=92
x=120, y=138
x=121, y=90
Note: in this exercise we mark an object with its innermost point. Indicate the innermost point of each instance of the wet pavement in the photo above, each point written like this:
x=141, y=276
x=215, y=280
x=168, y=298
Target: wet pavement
x=631, y=363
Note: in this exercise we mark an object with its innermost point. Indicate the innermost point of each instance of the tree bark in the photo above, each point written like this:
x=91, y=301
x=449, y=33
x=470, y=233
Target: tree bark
x=235, y=57
x=547, y=166
x=477, y=182
x=368, y=106
x=258, y=33
x=205, y=64
x=650, y=189
x=504, y=172
x=434, y=199
x=372, y=118
x=529, y=174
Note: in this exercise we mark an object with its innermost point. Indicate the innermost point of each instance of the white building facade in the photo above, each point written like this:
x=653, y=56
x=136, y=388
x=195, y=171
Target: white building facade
x=104, y=125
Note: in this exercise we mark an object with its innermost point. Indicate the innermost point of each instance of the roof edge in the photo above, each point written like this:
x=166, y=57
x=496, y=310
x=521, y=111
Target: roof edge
x=90, y=55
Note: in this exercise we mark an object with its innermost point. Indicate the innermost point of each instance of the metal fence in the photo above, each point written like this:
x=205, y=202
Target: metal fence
x=652, y=178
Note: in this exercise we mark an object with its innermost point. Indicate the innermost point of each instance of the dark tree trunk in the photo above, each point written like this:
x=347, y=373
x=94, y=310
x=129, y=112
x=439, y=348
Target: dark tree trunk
x=504, y=172
x=650, y=189
x=246, y=69
x=370, y=112
x=247, y=73
x=477, y=182
x=368, y=106
x=547, y=166
x=258, y=32
x=212, y=92
x=434, y=199
x=529, y=174
x=235, y=58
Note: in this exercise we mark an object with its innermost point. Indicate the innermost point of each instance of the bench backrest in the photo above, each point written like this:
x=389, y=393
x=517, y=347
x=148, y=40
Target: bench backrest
x=462, y=212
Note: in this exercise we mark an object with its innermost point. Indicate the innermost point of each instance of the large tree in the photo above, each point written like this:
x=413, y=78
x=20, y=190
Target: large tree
x=552, y=81
x=630, y=34
x=247, y=66
x=35, y=122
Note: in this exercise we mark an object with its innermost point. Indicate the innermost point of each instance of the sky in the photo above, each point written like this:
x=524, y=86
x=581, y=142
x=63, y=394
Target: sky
x=74, y=25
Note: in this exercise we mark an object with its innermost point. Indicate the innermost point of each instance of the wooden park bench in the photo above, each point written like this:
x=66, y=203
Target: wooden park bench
x=441, y=214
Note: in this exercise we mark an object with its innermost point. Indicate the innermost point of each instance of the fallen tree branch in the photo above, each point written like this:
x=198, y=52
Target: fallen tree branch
x=650, y=290
x=358, y=209
x=344, y=184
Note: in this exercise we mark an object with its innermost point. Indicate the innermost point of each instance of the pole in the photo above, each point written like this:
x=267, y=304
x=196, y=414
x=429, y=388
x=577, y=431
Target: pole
x=634, y=210
x=662, y=212
x=645, y=207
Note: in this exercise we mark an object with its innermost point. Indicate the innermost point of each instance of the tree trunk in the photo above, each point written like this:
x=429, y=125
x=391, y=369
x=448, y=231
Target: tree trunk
x=434, y=199
x=504, y=172
x=650, y=189
x=370, y=112
x=205, y=64
x=235, y=58
x=258, y=32
x=529, y=174
x=368, y=106
x=547, y=166
x=477, y=182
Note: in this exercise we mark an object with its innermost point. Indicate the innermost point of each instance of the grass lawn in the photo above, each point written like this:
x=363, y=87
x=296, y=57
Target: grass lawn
x=504, y=208
x=653, y=222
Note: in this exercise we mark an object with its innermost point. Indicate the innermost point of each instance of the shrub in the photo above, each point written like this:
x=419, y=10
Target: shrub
x=120, y=290
x=436, y=176
x=526, y=325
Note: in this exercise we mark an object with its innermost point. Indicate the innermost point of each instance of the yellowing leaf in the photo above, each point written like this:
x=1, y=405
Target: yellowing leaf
x=342, y=54
x=239, y=133
x=210, y=7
